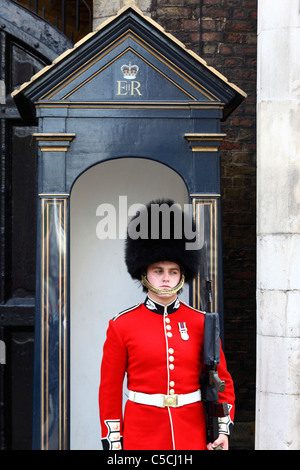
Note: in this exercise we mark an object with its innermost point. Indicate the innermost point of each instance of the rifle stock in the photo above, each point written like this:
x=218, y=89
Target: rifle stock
x=211, y=383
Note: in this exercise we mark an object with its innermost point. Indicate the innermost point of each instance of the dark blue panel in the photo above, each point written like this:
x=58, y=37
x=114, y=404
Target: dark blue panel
x=207, y=173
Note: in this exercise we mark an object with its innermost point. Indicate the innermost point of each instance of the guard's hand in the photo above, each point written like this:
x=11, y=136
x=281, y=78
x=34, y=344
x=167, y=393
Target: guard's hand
x=221, y=443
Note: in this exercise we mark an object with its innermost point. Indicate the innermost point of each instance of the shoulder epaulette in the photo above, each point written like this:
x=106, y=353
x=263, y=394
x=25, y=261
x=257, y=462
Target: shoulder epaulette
x=193, y=308
x=126, y=311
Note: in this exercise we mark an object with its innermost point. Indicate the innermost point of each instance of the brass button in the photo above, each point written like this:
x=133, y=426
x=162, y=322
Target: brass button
x=169, y=334
x=171, y=366
x=172, y=391
x=171, y=358
x=172, y=383
x=168, y=320
x=169, y=327
x=171, y=350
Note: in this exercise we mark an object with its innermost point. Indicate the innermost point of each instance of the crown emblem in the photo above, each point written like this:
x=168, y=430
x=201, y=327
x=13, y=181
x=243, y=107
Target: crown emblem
x=129, y=71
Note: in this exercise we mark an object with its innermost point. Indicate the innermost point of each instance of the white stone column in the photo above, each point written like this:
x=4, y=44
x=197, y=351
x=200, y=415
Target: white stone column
x=105, y=9
x=278, y=226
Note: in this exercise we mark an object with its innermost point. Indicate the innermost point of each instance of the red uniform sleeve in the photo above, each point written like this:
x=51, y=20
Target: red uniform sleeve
x=113, y=369
x=226, y=423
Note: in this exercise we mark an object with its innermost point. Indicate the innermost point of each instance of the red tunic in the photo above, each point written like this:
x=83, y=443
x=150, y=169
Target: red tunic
x=145, y=342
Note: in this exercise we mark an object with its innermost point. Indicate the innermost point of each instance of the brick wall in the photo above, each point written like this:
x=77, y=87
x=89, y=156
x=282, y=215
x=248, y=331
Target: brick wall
x=223, y=32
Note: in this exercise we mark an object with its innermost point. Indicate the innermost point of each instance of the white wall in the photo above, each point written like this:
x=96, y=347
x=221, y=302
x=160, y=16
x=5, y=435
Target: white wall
x=278, y=226
x=100, y=284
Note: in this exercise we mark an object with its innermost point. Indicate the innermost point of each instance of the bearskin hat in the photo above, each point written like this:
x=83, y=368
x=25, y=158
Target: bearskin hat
x=156, y=233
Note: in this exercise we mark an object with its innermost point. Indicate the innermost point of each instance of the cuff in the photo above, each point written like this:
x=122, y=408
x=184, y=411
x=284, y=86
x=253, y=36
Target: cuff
x=108, y=445
x=113, y=439
x=225, y=423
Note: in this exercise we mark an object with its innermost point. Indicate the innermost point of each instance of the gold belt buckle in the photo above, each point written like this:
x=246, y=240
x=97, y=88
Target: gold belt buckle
x=170, y=400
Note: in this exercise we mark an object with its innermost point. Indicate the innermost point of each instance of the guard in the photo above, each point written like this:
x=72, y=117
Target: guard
x=159, y=343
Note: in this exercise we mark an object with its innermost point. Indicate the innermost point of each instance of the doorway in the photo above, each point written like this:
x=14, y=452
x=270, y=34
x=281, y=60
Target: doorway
x=101, y=203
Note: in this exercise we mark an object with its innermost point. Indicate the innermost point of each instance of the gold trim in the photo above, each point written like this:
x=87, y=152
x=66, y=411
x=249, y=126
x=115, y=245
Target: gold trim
x=129, y=49
x=131, y=35
x=204, y=137
x=153, y=23
x=42, y=332
x=66, y=307
x=54, y=216
x=173, y=290
x=205, y=149
x=54, y=141
x=101, y=54
x=205, y=195
x=52, y=137
x=176, y=69
x=211, y=202
x=129, y=105
x=54, y=149
x=196, y=141
x=54, y=195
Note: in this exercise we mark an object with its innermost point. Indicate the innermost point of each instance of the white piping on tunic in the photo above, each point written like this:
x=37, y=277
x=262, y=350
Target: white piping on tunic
x=168, y=372
x=125, y=311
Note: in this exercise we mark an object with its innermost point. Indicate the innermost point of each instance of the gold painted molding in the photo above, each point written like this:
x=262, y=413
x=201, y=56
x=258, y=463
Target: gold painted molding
x=204, y=136
x=54, y=195
x=52, y=142
x=210, y=204
x=153, y=23
x=198, y=141
x=52, y=136
x=129, y=105
x=204, y=149
x=54, y=308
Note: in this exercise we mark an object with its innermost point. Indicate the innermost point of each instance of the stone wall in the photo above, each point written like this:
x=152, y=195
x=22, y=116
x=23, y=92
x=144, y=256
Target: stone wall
x=104, y=9
x=278, y=227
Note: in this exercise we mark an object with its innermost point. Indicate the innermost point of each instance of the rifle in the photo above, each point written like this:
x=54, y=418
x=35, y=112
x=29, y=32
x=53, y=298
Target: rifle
x=211, y=383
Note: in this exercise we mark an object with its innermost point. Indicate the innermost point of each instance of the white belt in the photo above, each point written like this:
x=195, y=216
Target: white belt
x=162, y=401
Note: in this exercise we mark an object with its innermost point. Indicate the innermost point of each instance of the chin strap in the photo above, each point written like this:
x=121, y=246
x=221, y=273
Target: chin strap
x=173, y=290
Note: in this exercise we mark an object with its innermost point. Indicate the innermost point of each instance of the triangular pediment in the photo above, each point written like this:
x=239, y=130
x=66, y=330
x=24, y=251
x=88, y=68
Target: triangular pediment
x=129, y=69
x=129, y=58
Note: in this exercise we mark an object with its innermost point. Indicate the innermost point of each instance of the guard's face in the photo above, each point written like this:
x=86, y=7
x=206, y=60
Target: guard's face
x=164, y=275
